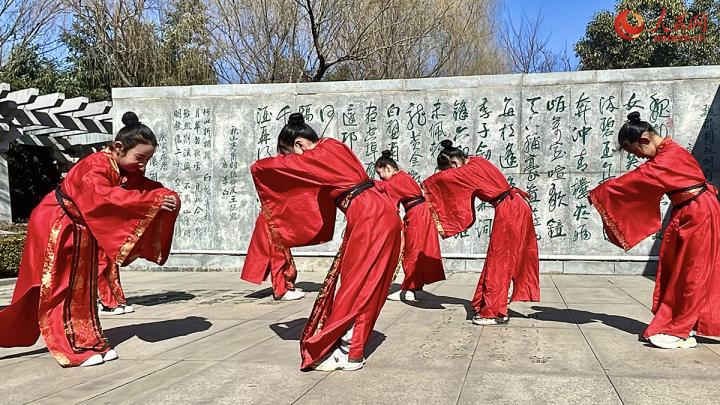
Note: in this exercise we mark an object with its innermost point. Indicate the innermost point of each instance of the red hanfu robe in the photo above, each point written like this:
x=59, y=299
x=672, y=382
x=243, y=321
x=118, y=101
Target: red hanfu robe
x=298, y=193
x=687, y=285
x=512, y=253
x=265, y=258
x=421, y=261
x=56, y=291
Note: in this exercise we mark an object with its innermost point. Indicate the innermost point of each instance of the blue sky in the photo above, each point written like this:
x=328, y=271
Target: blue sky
x=563, y=20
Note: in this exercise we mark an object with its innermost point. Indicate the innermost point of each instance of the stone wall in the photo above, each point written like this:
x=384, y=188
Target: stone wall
x=553, y=135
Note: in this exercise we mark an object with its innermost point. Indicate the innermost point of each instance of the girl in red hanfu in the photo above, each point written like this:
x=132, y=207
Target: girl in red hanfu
x=421, y=261
x=299, y=193
x=512, y=256
x=56, y=291
x=687, y=286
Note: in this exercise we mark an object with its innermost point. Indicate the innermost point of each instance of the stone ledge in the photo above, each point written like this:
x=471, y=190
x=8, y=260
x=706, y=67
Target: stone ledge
x=436, y=83
x=322, y=264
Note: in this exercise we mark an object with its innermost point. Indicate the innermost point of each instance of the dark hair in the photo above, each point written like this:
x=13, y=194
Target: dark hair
x=386, y=160
x=134, y=133
x=633, y=128
x=448, y=152
x=295, y=128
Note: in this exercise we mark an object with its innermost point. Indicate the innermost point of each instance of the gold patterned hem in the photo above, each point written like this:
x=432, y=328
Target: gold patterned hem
x=611, y=224
x=140, y=228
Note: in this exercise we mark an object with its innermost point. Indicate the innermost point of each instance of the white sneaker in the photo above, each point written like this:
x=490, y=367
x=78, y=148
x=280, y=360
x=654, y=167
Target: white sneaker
x=112, y=311
x=688, y=343
x=665, y=341
x=402, y=295
x=110, y=355
x=128, y=309
x=292, y=295
x=94, y=360
x=338, y=360
x=692, y=333
x=477, y=320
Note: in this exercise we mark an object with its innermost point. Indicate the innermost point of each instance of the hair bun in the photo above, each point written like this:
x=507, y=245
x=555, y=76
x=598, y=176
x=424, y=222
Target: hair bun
x=633, y=116
x=386, y=153
x=446, y=143
x=130, y=118
x=296, y=119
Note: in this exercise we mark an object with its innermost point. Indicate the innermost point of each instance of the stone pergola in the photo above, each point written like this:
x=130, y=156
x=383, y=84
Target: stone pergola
x=69, y=127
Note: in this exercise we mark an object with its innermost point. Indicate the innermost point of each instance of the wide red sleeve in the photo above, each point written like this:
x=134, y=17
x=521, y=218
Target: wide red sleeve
x=629, y=206
x=141, y=183
x=295, y=200
x=126, y=223
x=450, y=200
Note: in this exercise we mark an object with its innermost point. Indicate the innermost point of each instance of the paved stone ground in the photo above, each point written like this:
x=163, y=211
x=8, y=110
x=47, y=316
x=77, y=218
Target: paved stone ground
x=211, y=338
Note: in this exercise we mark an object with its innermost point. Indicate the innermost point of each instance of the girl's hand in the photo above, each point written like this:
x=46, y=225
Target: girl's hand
x=169, y=203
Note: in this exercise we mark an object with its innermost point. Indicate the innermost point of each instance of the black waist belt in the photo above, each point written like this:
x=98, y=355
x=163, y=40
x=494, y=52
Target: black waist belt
x=412, y=202
x=685, y=196
x=344, y=199
x=497, y=200
x=67, y=205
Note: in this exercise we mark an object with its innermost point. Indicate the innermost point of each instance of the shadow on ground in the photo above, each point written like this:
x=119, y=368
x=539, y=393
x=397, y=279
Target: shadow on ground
x=161, y=298
x=580, y=317
x=289, y=330
x=158, y=331
x=431, y=301
x=148, y=332
x=306, y=286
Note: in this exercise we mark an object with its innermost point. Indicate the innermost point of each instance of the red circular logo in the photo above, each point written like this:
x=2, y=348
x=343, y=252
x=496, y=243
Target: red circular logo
x=625, y=29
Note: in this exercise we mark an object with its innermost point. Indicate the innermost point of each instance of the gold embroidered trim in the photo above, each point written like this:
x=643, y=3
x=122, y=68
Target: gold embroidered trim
x=139, y=230
x=327, y=288
x=611, y=224
x=112, y=276
x=46, y=290
x=111, y=158
x=434, y=214
x=402, y=255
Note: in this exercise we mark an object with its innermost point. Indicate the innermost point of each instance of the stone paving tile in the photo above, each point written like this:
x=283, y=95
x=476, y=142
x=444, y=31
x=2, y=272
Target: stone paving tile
x=211, y=338
x=116, y=374
x=534, y=351
x=151, y=384
x=655, y=391
x=622, y=355
x=595, y=295
x=518, y=387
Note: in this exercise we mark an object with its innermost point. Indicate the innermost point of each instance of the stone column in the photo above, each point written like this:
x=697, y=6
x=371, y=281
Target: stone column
x=5, y=211
x=8, y=135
